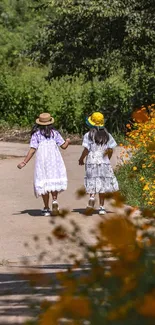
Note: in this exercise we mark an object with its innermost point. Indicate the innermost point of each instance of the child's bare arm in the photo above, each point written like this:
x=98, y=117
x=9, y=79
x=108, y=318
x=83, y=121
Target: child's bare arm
x=83, y=156
x=109, y=153
x=66, y=144
x=27, y=158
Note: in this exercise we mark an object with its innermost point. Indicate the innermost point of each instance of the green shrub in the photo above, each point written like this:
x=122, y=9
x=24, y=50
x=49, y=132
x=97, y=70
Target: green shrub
x=23, y=96
x=143, y=87
x=27, y=93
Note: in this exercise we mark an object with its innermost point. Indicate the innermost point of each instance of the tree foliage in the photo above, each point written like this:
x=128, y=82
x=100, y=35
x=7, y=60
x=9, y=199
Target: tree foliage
x=96, y=37
x=19, y=26
x=98, y=55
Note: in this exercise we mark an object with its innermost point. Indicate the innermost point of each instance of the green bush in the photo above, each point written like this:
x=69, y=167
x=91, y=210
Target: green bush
x=27, y=93
x=23, y=96
x=143, y=86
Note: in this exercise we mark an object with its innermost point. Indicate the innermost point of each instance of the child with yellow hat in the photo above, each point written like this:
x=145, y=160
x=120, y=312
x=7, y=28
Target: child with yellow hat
x=98, y=148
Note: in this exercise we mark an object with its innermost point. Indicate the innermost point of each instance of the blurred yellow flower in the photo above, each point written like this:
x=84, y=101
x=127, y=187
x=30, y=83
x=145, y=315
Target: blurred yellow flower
x=142, y=136
x=146, y=187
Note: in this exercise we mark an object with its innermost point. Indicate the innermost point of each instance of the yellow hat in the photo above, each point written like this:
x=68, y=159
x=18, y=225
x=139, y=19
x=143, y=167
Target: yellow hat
x=96, y=119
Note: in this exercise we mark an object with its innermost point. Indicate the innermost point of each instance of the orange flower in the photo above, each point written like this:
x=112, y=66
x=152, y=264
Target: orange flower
x=78, y=307
x=119, y=232
x=80, y=193
x=120, y=312
x=147, y=307
x=140, y=115
x=60, y=232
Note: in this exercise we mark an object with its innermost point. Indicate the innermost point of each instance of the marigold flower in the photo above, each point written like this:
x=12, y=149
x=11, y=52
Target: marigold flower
x=140, y=115
x=146, y=187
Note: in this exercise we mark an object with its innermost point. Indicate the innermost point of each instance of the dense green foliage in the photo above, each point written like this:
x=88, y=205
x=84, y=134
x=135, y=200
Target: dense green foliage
x=97, y=37
x=27, y=94
x=72, y=57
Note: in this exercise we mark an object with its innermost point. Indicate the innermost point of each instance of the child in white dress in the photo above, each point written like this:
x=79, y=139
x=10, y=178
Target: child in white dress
x=98, y=147
x=50, y=171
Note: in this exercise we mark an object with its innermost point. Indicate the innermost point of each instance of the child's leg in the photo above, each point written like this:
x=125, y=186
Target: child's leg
x=101, y=199
x=91, y=202
x=46, y=200
x=55, y=206
x=54, y=195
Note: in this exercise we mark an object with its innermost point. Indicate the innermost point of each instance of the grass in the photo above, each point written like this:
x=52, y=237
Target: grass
x=120, y=138
x=129, y=185
x=129, y=180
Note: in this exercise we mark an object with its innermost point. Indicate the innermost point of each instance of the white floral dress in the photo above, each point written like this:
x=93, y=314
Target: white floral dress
x=99, y=175
x=50, y=171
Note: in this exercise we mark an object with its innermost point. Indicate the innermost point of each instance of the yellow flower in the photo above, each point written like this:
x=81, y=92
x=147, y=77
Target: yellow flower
x=143, y=166
x=146, y=187
x=141, y=179
x=134, y=168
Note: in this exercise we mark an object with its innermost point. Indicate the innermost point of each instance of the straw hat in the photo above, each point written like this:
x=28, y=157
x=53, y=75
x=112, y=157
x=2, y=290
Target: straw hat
x=45, y=119
x=95, y=120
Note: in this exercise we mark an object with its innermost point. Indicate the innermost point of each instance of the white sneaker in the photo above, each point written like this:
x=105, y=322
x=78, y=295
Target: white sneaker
x=55, y=207
x=102, y=211
x=46, y=212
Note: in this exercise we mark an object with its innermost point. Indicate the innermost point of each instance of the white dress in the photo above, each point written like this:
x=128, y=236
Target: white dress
x=50, y=171
x=99, y=175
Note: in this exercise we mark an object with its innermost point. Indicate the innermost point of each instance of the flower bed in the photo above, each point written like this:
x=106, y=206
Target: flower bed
x=137, y=179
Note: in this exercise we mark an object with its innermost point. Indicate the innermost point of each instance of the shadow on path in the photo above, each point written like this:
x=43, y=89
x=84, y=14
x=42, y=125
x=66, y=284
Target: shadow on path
x=19, y=301
x=18, y=298
x=83, y=212
x=31, y=212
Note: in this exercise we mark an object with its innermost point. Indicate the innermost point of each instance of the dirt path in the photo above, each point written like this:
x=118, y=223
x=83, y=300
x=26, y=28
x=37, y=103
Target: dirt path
x=20, y=210
x=21, y=221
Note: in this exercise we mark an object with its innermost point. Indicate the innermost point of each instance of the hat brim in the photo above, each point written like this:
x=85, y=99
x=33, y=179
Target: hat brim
x=45, y=123
x=91, y=124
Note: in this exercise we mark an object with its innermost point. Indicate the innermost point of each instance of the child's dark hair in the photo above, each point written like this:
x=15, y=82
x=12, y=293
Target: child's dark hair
x=45, y=130
x=100, y=136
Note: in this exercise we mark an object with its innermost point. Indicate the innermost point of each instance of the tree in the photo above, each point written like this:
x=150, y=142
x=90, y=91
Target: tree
x=97, y=37
x=19, y=26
